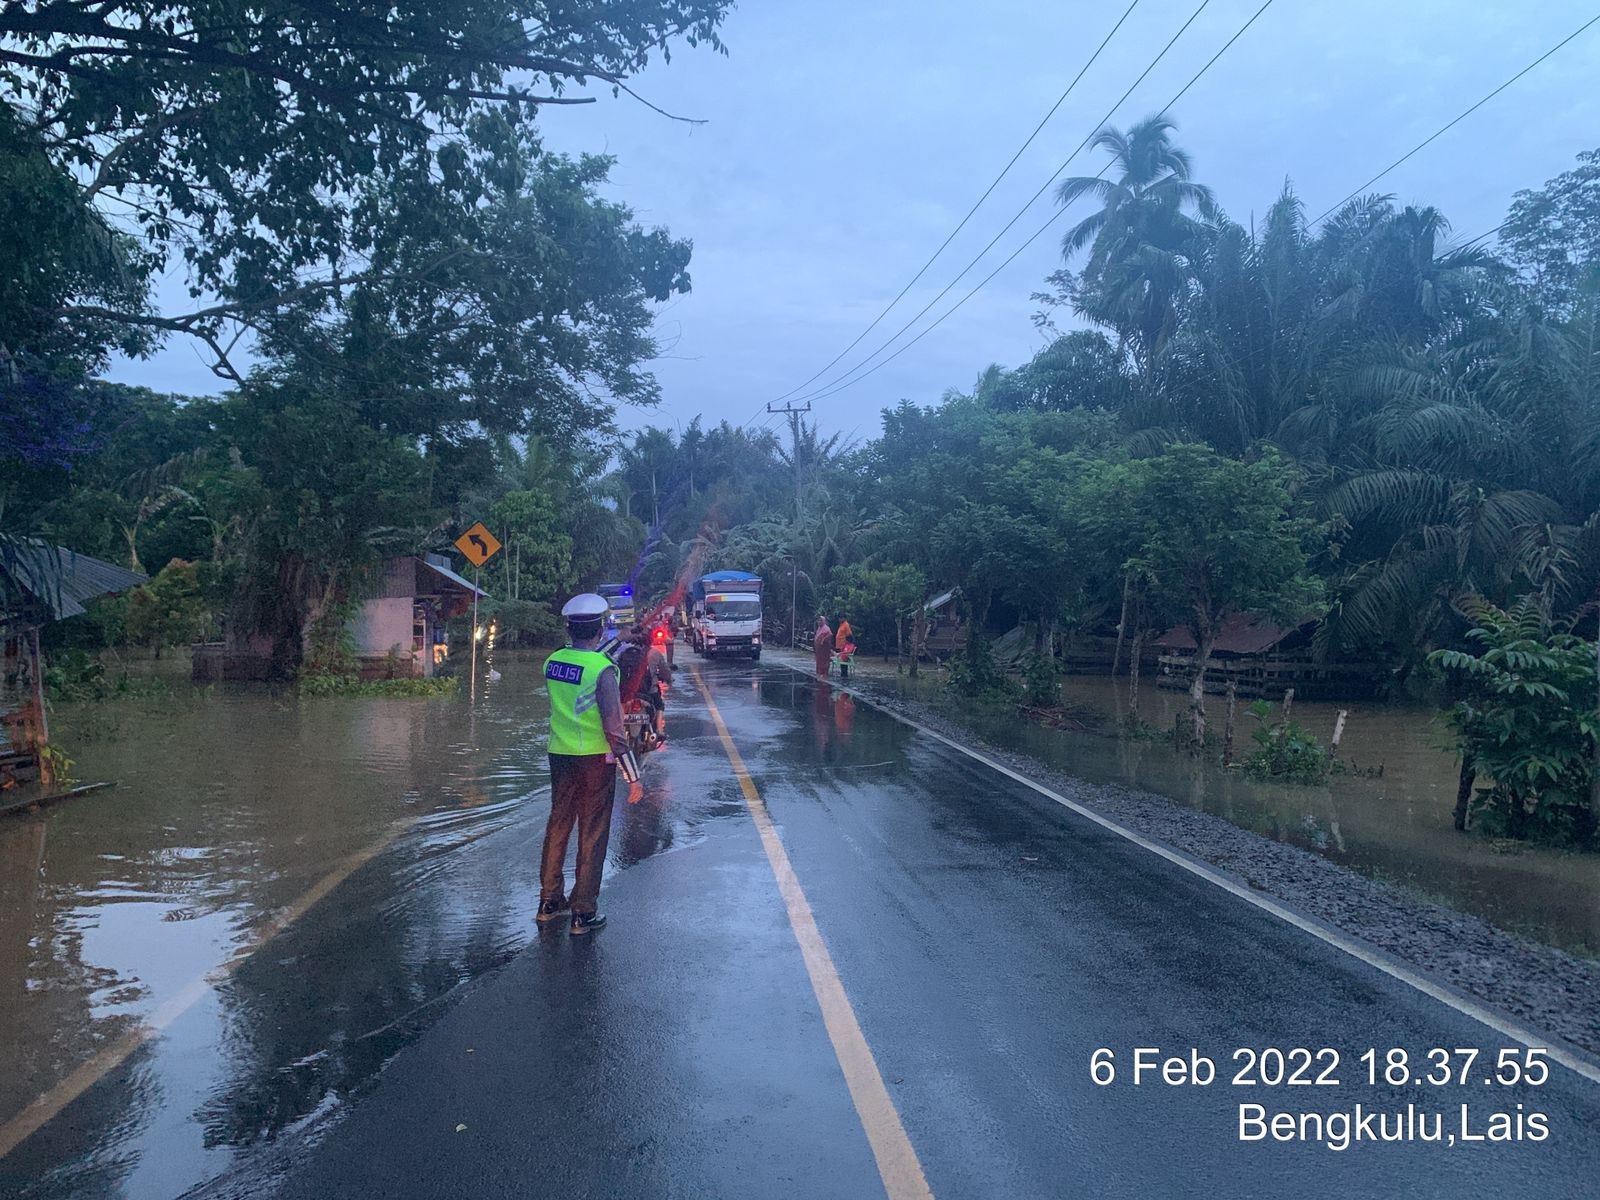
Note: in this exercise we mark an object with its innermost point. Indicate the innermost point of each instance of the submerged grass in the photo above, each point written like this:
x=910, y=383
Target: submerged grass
x=348, y=685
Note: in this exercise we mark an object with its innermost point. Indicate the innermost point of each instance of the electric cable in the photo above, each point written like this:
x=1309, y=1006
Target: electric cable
x=1451, y=124
x=923, y=270
x=1426, y=141
x=844, y=382
x=824, y=388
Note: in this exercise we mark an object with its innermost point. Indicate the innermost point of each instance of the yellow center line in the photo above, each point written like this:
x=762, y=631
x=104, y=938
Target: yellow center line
x=898, y=1165
x=47, y=1107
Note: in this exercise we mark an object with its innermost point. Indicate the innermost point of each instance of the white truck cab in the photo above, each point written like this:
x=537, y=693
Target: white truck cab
x=726, y=614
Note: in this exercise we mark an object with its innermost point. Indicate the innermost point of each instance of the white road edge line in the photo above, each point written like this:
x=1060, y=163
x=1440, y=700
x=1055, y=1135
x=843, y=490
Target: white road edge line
x=1369, y=955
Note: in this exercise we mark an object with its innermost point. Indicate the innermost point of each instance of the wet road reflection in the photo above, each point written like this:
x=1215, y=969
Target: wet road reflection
x=356, y=861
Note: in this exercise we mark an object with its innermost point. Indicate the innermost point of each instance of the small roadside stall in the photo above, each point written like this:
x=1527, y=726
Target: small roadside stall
x=39, y=583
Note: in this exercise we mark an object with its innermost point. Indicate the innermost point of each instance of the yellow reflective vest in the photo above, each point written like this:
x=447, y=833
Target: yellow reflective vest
x=571, y=677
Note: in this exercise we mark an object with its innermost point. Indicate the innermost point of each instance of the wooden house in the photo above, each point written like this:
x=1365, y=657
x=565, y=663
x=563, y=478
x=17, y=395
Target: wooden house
x=39, y=583
x=944, y=632
x=400, y=632
x=1263, y=659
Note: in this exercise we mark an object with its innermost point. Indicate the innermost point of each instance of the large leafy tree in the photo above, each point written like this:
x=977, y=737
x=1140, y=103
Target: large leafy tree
x=1552, y=234
x=259, y=143
x=1218, y=536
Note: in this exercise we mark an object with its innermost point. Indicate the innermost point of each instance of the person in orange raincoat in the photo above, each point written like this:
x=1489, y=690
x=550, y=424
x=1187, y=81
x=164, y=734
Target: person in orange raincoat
x=844, y=645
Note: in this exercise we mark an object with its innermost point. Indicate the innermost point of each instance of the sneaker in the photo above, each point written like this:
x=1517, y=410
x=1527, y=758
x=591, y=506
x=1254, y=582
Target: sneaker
x=584, y=922
x=551, y=910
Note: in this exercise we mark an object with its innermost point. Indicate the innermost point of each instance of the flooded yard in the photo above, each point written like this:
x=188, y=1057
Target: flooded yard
x=1396, y=827
x=186, y=941
x=211, y=898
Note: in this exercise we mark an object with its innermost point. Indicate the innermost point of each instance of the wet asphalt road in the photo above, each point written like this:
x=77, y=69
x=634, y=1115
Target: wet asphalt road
x=989, y=941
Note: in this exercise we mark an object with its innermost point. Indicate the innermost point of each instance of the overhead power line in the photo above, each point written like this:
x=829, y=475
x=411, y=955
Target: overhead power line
x=1458, y=119
x=845, y=382
x=1443, y=129
x=923, y=270
x=824, y=389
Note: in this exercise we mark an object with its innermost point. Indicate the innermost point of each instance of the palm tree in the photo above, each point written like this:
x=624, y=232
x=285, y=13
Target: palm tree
x=1391, y=271
x=1143, y=239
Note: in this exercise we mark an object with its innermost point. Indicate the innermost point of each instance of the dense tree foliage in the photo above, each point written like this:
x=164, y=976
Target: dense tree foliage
x=1359, y=420
x=265, y=145
x=364, y=198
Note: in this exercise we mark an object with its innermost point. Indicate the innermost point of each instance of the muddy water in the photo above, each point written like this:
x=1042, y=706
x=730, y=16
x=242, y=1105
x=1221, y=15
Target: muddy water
x=1396, y=827
x=236, y=812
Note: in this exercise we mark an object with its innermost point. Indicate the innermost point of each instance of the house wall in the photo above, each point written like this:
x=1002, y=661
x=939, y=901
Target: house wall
x=381, y=625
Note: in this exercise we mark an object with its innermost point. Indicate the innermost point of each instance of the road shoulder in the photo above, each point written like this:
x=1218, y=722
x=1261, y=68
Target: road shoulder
x=1535, y=985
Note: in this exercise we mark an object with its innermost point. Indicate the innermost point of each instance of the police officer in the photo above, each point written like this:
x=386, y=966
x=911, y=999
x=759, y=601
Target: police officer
x=587, y=745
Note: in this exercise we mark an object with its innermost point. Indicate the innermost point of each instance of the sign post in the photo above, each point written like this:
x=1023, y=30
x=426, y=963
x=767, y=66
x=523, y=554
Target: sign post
x=479, y=546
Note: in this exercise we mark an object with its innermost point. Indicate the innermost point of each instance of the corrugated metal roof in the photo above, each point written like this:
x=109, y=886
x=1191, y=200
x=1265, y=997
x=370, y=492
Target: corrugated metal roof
x=452, y=576
x=1241, y=633
x=64, y=580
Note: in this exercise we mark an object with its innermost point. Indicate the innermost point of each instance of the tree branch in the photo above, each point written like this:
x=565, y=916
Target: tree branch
x=79, y=23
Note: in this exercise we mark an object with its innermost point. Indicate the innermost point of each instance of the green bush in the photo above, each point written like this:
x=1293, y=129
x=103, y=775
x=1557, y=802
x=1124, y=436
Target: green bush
x=973, y=672
x=344, y=685
x=1527, y=725
x=1041, y=682
x=77, y=675
x=1287, y=751
x=166, y=611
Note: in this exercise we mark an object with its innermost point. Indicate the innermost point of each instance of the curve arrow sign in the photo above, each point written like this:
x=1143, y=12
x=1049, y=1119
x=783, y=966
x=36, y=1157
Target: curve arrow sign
x=478, y=545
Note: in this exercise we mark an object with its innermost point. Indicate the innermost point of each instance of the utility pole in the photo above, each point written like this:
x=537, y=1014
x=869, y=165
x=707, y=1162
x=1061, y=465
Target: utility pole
x=476, y=573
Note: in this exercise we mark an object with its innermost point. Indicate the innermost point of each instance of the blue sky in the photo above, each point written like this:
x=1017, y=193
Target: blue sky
x=844, y=141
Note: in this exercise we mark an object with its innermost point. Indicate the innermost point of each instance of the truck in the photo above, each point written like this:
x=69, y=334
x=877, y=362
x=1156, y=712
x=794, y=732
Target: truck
x=725, y=614
x=620, y=597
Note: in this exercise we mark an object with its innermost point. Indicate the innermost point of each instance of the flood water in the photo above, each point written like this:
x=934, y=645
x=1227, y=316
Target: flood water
x=135, y=910
x=187, y=937
x=1397, y=827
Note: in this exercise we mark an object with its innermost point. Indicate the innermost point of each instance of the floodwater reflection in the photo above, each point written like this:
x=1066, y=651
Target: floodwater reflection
x=285, y=891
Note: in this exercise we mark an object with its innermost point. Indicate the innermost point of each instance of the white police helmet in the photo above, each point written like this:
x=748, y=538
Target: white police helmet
x=585, y=608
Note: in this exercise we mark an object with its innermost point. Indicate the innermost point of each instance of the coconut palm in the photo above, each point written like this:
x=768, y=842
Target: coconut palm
x=1143, y=238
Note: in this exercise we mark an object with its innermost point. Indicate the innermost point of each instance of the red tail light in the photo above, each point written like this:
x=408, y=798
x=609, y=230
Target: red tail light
x=661, y=635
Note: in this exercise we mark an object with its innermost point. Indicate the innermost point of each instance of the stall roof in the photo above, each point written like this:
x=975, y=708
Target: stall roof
x=62, y=580
x=435, y=563
x=1241, y=633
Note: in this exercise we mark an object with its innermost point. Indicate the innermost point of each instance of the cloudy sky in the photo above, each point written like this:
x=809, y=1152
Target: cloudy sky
x=845, y=140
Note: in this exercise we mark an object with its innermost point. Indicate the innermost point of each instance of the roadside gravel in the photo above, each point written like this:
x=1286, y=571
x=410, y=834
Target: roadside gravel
x=1542, y=987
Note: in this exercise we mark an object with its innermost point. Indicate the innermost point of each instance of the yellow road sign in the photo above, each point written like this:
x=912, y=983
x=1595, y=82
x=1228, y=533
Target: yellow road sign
x=478, y=544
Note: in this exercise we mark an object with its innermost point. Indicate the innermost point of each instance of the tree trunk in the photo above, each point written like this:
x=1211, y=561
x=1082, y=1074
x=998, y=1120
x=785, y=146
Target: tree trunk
x=919, y=626
x=1133, y=679
x=1197, y=692
x=899, y=640
x=1122, y=624
x=1227, y=728
x=1464, y=794
x=1594, y=778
